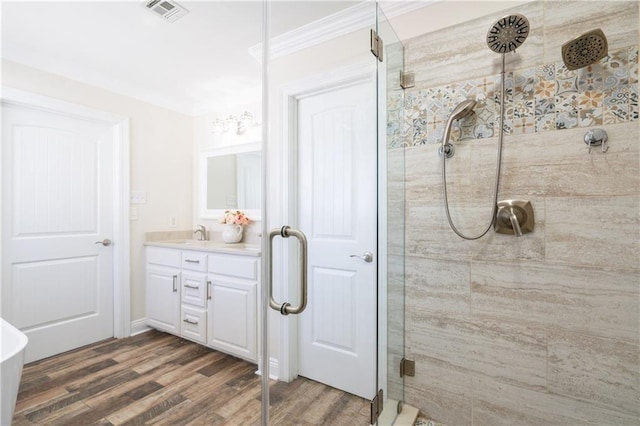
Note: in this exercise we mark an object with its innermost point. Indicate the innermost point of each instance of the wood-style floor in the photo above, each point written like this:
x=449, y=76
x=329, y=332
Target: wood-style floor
x=158, y=378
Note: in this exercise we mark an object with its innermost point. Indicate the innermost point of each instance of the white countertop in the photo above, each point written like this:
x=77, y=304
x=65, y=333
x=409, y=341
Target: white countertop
x=210, y=246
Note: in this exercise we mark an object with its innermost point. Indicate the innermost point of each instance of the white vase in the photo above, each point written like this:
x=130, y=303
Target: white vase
x=232, y=233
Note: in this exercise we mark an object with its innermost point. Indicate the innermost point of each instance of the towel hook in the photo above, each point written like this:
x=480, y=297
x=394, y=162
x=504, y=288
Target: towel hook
x=596, y=137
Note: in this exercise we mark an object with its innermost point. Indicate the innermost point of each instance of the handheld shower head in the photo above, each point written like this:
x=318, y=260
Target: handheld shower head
x=462, y=110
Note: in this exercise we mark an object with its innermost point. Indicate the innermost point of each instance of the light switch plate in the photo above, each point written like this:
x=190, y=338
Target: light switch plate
x=138, y=197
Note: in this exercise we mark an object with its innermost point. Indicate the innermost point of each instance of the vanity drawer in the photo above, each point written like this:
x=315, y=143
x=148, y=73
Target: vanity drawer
x=234, y=266
x=194, y=261
x=194, y=289
x=193, y=324
x=164, y=257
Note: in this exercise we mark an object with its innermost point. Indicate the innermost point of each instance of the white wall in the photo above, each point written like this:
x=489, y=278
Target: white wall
x=161, y=159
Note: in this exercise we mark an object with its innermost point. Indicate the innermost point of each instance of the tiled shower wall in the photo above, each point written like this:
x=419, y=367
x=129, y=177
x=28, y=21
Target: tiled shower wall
x=542, y=329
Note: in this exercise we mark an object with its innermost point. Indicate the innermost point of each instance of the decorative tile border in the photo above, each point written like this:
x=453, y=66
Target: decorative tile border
x=539, y=99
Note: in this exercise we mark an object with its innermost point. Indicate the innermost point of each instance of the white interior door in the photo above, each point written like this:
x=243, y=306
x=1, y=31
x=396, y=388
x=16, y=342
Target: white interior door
x=57, y=203
x=249, y=172
x=337, y=212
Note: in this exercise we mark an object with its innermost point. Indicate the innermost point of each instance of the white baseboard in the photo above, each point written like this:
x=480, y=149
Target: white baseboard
x=274, y=369
x=139, y=326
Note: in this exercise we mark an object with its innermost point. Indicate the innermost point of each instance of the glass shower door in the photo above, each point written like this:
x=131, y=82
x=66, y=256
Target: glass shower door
x=392, y=276
x=322, y=180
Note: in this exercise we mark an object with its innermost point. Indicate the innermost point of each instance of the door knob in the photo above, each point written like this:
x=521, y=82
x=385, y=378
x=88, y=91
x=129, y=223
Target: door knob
x=367, y=257
x=105, y=242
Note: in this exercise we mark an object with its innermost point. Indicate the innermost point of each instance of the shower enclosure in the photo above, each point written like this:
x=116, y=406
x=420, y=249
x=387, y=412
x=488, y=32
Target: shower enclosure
x=333, y=301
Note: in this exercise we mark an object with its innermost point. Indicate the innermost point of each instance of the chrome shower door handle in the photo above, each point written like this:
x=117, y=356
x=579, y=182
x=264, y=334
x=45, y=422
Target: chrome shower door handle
x=286, y=308
x=367, y=256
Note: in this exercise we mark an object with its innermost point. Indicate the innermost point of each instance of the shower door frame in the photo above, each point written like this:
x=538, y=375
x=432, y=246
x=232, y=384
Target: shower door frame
x=285, y=211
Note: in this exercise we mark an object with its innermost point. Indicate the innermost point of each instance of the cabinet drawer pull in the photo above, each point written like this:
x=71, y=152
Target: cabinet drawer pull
x=175, y=283
x=188, y=321
x=208, y=290
x=191, y=261
x=195, y=287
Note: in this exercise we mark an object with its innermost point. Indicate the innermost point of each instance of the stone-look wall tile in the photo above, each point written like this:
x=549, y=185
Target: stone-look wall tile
x=565, y=20
x=396, y=165
x=421, y=169
x=543, y=164
x=596, y=369
x=395, y=200
x=576, y=273
x=510, y=352
x=396, y=227
x=594, y=231
x=395, y=324
x=440, y=393
x=429, y=234
x=538, y=98
x=497, y=404
x=558, y=164
x=588, y=300
x=470, y=172
x=396, y=301
x=466, y=55
x=437, y=286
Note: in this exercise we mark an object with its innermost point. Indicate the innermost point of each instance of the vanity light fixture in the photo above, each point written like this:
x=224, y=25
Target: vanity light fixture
x=239, y=123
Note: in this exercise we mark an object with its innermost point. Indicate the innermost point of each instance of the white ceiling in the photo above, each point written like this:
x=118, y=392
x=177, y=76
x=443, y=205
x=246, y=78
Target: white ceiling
x=197, y=64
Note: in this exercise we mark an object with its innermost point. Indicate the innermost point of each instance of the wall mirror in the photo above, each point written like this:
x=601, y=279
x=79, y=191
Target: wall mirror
x=230, y=179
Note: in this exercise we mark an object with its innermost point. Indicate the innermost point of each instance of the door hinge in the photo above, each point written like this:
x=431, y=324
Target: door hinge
x=377, y=46
x=376, y=406
x=407, y=367
x=407, y=79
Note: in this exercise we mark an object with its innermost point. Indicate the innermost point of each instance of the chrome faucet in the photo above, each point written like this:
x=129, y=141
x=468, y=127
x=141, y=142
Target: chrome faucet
x=203, y=232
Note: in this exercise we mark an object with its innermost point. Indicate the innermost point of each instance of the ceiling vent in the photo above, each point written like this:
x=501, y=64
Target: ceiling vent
x=166, y=9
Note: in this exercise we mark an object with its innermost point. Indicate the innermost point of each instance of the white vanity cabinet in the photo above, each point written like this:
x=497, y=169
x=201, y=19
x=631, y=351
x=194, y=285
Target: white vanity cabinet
x=232, y=325
x=163, y=289
x=204, y=296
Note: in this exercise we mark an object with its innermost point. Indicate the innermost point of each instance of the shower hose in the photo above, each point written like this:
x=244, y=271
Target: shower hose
x=497, y=180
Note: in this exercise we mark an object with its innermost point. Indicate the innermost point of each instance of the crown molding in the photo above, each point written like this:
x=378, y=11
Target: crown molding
x=354, y=18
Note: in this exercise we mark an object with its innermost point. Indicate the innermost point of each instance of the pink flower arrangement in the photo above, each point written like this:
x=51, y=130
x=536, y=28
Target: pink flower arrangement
x=234, y=217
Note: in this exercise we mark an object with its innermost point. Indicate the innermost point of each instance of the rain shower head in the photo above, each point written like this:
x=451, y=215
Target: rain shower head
x=508, y=33
x=585, y=50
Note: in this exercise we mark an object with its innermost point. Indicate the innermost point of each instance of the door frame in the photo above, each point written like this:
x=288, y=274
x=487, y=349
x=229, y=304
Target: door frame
x=285, y=265
x=121, y=231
